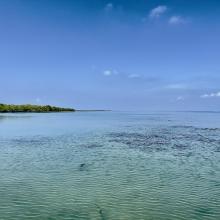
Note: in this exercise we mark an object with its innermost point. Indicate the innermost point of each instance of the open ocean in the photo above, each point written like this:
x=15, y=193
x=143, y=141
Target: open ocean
x=110, y=165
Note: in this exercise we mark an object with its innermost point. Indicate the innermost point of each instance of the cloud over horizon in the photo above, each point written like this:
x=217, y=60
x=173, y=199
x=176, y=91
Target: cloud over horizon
x=130, y=76
x=177, y=86
x=175, y=20
x=134, y=76
x=211, y=95
x=180, y=98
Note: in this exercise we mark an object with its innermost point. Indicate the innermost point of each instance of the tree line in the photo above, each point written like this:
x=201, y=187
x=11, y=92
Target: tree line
x=32, y=108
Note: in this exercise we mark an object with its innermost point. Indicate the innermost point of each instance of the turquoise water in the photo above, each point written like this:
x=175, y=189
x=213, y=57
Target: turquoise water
x=110, y=165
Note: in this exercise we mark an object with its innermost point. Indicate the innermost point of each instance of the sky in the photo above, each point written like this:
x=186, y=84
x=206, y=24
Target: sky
x=116, y=54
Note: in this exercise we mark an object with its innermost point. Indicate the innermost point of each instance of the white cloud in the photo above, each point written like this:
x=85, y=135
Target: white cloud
x=134, y=76
x=180, y=98
x=211, y=95
x=107, y=72
x=110, y=72
x=175, y=20
x=158, y=11
x=177, y=86
x=109, y=7
x=113, y=72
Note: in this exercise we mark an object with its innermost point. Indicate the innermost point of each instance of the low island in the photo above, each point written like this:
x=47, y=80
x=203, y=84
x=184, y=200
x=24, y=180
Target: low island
x=5, y=108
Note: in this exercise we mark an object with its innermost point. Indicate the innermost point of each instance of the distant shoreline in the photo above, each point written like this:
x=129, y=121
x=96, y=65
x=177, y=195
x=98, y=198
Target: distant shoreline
x=28, y=108
x=95, y=110
x=7, y=108
x=55, y=111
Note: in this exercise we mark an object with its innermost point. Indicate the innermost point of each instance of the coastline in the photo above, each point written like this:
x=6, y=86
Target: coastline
x=29, y=108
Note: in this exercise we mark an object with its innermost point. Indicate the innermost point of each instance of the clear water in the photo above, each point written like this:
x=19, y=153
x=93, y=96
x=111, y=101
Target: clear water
x=110, y=165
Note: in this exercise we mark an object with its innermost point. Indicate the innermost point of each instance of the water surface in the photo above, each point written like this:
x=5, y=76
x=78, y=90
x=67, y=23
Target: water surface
x=110, y=165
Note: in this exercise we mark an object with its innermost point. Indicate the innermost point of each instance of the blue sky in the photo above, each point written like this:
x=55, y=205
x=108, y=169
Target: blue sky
x=119, y=54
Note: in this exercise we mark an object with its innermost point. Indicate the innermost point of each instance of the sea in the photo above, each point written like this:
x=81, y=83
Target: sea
x=112, y=165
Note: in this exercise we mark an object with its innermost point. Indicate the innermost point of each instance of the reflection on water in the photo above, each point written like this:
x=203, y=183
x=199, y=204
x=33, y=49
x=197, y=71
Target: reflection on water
x=110, y=166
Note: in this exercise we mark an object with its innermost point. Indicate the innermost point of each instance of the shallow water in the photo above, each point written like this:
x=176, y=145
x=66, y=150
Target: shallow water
x=110, y=165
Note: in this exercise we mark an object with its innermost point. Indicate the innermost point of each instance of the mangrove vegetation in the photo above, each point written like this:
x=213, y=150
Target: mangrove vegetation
x=32, y=108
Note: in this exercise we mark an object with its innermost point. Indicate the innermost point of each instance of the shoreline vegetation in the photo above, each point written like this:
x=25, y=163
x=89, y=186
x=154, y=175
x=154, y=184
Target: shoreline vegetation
x=5, y=108
x=10, y=108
